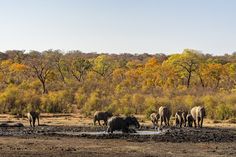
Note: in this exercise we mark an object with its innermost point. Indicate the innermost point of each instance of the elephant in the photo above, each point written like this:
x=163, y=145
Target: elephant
x=122, y=123
x=154, y=118
x=198, y=113
x=179, y=119
x=32, y=116
x=165, y=114
x=189, y=119
x=99, y=115
x=184, y=116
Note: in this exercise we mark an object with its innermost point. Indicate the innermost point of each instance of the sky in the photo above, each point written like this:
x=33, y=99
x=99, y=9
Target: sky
x=119, y=26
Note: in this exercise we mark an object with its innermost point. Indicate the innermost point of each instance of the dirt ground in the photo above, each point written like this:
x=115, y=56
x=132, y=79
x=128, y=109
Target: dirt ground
x=215, y=139
x=57, y=146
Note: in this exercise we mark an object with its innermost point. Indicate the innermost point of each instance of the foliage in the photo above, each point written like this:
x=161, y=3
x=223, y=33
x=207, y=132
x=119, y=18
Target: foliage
x=54, y=81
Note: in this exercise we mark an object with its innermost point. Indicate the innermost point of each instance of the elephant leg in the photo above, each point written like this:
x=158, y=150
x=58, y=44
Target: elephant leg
x=194, y=121
x=168, y=121
x=180, y=124
x=134, y=131
x=30, y=122
x=34, y=122
x=161, y=120
x=176, y=122
x=104, y=122
x=201, y=122
x=153, y=124
x=108, y=129
x=191, y=123
x=38, y=121
x=94, y=121
x=99, y=123
x=198, y=121
x=157, y=123
x=125, y=130
x=165, y=121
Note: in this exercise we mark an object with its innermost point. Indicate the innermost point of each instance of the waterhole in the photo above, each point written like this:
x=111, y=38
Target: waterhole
x=106, y=133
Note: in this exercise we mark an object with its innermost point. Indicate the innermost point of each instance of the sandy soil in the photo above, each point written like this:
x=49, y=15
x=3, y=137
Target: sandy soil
x=213, y=140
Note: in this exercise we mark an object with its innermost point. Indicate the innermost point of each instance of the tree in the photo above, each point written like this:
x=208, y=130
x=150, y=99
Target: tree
x=187, y=63
x=103, y=65
x=78, y=67
x=41, y=66
x=16, y=56
x=58, y=61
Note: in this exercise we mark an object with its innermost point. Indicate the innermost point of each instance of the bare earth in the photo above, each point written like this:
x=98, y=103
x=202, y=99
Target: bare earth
x=214, y=140
x=55, y=146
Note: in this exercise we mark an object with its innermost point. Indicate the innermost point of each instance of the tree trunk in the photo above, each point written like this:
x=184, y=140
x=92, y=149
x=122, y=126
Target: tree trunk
x=189, y=78
x=45, y=91
x=202, y=82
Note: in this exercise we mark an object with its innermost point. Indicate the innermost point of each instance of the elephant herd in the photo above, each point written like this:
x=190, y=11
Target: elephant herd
x=195, y=116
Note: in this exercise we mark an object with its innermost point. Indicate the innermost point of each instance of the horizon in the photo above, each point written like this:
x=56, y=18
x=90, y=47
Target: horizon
x=112, y=27
x=119, y=53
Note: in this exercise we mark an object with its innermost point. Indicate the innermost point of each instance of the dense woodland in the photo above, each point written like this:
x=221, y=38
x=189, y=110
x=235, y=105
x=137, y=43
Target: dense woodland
x=55, y=81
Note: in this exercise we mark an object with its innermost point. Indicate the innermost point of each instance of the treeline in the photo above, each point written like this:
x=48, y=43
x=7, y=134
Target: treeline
x=54, y=81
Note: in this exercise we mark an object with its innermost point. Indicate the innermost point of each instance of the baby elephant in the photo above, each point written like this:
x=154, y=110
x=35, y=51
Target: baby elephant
x=154, y=118
x=98, y=115
x=179, y=119
x=32, y=116
x=123, y=124
x=189, y=119
x=165, y=114
x=198, y=114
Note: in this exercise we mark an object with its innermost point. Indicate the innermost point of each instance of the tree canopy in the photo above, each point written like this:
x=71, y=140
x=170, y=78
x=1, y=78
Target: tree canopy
x=55, y=81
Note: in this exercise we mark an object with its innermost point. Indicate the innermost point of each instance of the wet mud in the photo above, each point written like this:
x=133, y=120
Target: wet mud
x=169, y=134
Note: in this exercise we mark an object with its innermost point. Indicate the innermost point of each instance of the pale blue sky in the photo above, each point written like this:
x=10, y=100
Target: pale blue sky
x=118, y=26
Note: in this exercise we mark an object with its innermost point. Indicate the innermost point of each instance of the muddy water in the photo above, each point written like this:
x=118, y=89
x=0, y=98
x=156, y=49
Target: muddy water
x=170, y=134
x=106, y=133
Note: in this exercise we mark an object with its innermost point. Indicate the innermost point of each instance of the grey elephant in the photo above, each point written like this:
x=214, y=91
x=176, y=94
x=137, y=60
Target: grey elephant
x=154, y=118
x=32, y=116
x=165, y=114
x=189, y=119
x=99, y=115
x=198, y=113
x=184, y=116
x=123, y=124
x=179, y=119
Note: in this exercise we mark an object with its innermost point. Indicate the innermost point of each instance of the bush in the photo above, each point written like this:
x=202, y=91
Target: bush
x=80, y=98
x=92, y=103
x=113, y=107
x=128, y=111
x=57, y=102
x=11, y=100
x=210, y=103
x=149, y=111
x=224, y=112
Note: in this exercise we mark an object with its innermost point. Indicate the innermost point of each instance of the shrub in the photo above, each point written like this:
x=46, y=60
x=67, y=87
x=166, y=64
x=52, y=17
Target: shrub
x=224, y=111
x=56, y=102
x=92, y=103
